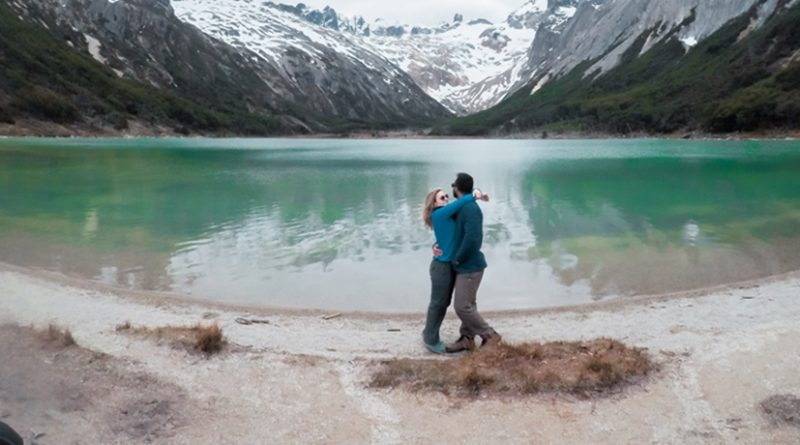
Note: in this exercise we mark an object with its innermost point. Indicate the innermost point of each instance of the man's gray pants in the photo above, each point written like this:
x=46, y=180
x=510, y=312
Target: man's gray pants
x=466, y=288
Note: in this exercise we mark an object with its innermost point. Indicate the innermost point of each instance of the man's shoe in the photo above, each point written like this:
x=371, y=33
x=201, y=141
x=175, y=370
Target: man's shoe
x=436, y=348
x=491, y=339
x=463, y=343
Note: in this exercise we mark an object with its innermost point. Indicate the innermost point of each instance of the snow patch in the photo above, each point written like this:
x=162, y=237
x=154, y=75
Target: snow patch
x=566, y=11
x=689, y=41
x=765, y=11
x=531, y=6
x=540, y=84
x=94, y=48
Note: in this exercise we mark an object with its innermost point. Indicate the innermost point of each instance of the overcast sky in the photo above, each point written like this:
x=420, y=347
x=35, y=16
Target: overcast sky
x=422, y=12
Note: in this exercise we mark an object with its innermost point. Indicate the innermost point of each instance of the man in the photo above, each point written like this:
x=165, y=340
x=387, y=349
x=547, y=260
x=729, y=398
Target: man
x=469, y=263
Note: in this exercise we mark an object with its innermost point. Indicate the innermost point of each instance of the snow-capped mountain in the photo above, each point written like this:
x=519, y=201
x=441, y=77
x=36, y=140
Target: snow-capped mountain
x=335, y=73
x=470, y=65
x=465, y=65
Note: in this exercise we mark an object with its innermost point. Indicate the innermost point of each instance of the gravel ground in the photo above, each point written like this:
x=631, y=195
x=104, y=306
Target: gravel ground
x=301, y=378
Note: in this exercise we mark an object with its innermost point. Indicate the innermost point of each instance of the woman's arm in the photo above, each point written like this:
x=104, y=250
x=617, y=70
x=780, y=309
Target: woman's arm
x=452, y=208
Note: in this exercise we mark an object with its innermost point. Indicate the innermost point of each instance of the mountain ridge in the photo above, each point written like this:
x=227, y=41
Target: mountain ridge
x=326, y=71
x=737, y=79
x=551, y=65
x=45, y=80
x=143, y=40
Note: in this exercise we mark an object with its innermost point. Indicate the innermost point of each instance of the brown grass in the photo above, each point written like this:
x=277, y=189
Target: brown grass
x=582, y=368
x=124, y=326
x=58, y=337
x=205, y=339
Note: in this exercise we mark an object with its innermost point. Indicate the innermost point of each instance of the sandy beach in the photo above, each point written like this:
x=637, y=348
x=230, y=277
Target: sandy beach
x=302, y=379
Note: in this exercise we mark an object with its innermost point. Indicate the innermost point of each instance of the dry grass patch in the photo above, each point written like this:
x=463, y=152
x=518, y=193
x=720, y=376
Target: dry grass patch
x=124, y=326
x=582, y=368
x=204, y=339
x=56, y=336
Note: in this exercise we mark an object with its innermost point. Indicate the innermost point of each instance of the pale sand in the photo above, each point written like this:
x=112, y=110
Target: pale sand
x=301, y=379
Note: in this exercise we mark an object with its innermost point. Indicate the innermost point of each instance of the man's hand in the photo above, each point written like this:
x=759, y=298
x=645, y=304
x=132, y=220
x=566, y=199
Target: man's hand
x=480, y=195
x=436, y=251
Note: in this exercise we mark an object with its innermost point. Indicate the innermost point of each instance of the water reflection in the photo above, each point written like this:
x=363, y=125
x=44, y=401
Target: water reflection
x=336, y=224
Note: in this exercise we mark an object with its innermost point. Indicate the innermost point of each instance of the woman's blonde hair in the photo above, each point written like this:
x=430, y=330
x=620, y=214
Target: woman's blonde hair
x=428, y=207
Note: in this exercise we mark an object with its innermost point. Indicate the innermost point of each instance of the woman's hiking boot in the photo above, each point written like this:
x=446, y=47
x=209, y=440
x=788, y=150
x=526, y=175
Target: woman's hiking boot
x=463, y=343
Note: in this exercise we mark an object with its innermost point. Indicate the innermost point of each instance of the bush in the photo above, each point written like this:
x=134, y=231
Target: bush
x=58, y=337
x=118, y=121
x=43, y=102
x=5, y=116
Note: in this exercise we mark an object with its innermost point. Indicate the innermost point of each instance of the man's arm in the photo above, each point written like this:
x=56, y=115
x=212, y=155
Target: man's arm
x=473, y=225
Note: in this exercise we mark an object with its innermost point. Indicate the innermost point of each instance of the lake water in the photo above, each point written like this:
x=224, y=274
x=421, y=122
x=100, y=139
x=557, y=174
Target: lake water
x=335, y=224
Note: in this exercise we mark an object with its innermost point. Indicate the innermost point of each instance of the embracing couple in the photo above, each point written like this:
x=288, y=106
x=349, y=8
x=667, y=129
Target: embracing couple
x=457, y=265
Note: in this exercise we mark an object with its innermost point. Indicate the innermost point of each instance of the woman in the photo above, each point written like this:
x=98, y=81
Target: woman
x=437, y=214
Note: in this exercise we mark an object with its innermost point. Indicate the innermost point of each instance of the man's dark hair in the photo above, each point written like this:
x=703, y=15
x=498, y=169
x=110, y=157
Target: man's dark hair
x=463, y=183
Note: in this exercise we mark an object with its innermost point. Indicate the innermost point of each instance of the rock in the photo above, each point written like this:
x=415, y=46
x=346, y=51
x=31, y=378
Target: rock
x=783, y=408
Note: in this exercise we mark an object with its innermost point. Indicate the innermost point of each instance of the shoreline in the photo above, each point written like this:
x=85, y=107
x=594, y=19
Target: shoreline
x=738, y=337
x=40, y=129
x=174, y=298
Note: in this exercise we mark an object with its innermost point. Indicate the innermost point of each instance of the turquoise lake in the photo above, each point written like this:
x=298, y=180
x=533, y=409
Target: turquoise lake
x=335, y=223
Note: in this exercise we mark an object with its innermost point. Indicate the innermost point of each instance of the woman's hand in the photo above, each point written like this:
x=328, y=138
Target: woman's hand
x=478, y=194
x=436, y=251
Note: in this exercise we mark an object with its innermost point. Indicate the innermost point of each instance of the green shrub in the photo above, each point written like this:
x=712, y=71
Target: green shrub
x=5, y=116
x=42, y=102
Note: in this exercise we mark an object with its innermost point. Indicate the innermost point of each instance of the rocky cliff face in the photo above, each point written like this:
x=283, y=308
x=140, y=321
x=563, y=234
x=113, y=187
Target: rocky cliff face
x=574, y=31
x=670, y=78
x=143, y=40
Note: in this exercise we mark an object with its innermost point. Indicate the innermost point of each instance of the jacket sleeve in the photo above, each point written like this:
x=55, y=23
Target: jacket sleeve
x=452, y=208
x=470, y=244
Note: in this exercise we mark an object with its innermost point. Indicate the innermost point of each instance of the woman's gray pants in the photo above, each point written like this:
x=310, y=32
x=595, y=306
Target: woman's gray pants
x=443, y=279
